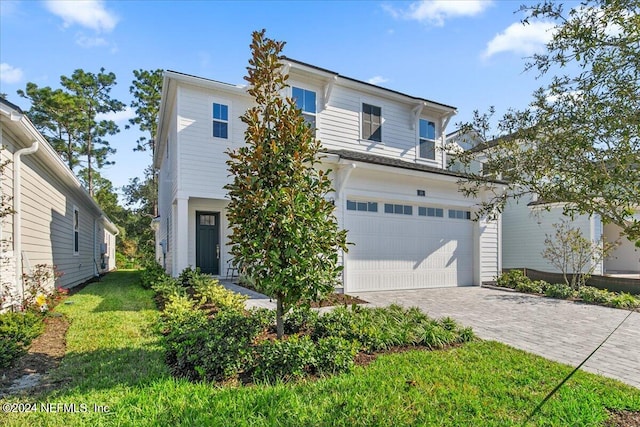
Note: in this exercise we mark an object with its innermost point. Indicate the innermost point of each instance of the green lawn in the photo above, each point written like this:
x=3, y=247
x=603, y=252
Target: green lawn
x=114, y=359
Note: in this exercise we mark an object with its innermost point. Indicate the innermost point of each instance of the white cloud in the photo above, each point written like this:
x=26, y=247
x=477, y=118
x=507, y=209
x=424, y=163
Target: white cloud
x=119, y=117
x=521, y=39
x=10, y=74
x=376, y=80
x=87, y=13
x=435, y=12
x=85, y=41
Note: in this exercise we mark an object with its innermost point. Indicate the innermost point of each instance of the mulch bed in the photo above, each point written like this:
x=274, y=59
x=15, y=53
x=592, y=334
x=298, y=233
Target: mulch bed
x=338, y=299
x=623, y=418
x=44, y=355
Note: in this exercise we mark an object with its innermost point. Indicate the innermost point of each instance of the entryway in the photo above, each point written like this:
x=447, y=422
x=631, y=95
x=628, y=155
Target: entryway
x=208, y=242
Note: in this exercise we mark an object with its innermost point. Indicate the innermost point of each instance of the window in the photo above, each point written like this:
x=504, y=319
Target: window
x=220, y=121
x=371, y=122
x=362, y=206
x=456, y=214
x=76, y=231
x=427, y=139
x=435, y=212
x=207, y=219
x=398, y=209
x=306, y=101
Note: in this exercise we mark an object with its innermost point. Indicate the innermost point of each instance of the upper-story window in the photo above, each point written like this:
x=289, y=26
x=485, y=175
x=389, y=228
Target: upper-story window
x=306, y=101
x=371, y=122
x=427, y=139
x=220, y=120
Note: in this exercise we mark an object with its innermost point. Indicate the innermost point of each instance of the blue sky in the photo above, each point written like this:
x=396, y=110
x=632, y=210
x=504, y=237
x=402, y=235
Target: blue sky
x=469, y=54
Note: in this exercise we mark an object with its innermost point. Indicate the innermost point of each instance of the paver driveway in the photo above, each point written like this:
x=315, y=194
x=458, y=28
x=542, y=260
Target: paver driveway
x=558, y=330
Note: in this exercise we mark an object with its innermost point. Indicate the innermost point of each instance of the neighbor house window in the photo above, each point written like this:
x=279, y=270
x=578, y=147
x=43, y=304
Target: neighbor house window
x=434, y=212
x=220, y=121
x=306, y=101
x=398, y=209
x=427, y=139
x=371, y=122
x=362, y=206
x=76, y=231
x=457, y=214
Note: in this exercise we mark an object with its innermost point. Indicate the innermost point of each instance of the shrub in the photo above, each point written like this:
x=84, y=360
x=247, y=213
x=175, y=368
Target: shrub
x=217, y=349
x=512, y=278
x=300, y=319
x=592, y=295
x=624, y=300
x=334, y=355
x=151, y=273
x=532, y=287
x=166, y=286
x=560, y=291
x=263, y=316
x=17, y=330
x=210, y=291
x=285, y=359
x=187, y=275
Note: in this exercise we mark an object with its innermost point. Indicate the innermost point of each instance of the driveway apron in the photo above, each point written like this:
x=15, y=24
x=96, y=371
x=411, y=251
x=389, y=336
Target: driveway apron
x=559, y=330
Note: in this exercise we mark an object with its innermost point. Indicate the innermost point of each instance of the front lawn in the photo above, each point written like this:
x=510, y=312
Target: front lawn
x=114, y=359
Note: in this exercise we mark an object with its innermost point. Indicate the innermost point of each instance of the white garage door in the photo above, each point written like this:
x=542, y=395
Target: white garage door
x=396, y=251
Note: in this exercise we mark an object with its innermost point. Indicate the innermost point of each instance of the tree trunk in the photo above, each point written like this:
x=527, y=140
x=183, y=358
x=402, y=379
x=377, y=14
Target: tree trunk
x=279, y=315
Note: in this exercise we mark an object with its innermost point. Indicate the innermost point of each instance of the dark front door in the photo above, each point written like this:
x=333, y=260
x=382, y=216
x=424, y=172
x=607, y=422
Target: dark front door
x=208, y=242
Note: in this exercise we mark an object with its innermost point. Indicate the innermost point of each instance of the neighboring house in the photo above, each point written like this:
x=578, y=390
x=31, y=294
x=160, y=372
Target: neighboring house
x=526, y=223
x=54, y=220
x=409, y=225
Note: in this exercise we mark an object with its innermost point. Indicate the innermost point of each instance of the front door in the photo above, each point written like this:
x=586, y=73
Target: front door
x=208, y=242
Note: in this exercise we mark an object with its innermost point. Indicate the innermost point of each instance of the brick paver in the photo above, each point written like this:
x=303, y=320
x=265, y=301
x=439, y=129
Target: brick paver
x=559, y=330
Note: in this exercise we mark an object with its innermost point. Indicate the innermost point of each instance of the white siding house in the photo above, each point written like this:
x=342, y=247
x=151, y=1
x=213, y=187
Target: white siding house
x=410, y=226
x=54, y=220
x=526, y=223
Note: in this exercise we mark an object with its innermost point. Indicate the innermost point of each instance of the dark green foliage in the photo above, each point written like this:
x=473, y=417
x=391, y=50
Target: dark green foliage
x=532, y=287
x=284, y=359
x=151, y=273
x=559, y=291
x=186, y=276
x=593, y=295
x=219, y=349
x=17, y=330
x=334, y=355
x=166, y=286
x=512, y=278
x=300, y=319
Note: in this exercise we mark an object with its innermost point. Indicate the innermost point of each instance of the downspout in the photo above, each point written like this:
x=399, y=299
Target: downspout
x=17, y=207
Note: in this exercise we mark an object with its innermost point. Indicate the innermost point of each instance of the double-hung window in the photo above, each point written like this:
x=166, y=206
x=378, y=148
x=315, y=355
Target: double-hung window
x=371, y=122
x=306, y=101
x=427, y=139
x=220, y=121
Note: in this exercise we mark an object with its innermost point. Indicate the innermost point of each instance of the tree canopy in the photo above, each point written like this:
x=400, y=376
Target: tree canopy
x=578, y=142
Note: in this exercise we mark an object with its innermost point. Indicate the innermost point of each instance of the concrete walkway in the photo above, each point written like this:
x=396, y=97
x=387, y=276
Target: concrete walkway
x=559, y=330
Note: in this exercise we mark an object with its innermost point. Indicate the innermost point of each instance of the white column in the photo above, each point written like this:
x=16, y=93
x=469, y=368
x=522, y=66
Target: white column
x=181, y=235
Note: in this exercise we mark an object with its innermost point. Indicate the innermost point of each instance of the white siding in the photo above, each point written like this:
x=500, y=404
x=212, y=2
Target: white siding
x=524, y=230
x=489, y=246
x=625, y=258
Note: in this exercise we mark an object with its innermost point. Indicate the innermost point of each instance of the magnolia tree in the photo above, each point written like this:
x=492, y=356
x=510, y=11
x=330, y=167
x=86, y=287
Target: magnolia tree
x=574, y=255
x=284, y=234
x=578, y=143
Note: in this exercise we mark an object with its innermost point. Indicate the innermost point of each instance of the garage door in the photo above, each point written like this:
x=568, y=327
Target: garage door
x=407, y=251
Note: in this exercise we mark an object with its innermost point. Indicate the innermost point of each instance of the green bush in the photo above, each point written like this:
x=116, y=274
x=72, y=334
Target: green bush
x=299, y=319
x=166, y=286
x=624, y=300
x=264, y=316
x=532, y=287
x=334, y=355
x=17, y=330
x=151, y=273
x=186, y=276
x=512, y=278
x=284, y=359
x=560, y=291
x=592, y=295
x=210, y=291
x=218, y=349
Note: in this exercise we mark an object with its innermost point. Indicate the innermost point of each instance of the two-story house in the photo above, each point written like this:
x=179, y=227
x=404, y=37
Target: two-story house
x=409, y=225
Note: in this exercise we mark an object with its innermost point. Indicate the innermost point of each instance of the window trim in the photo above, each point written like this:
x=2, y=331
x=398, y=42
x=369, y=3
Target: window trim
x=369, y=205
x=228, y=104
x=398, y=209
x=435, y=210
x=373, y=104
x=420, y=139
x=75, y=231
x=307, y=113
x=466, y=214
